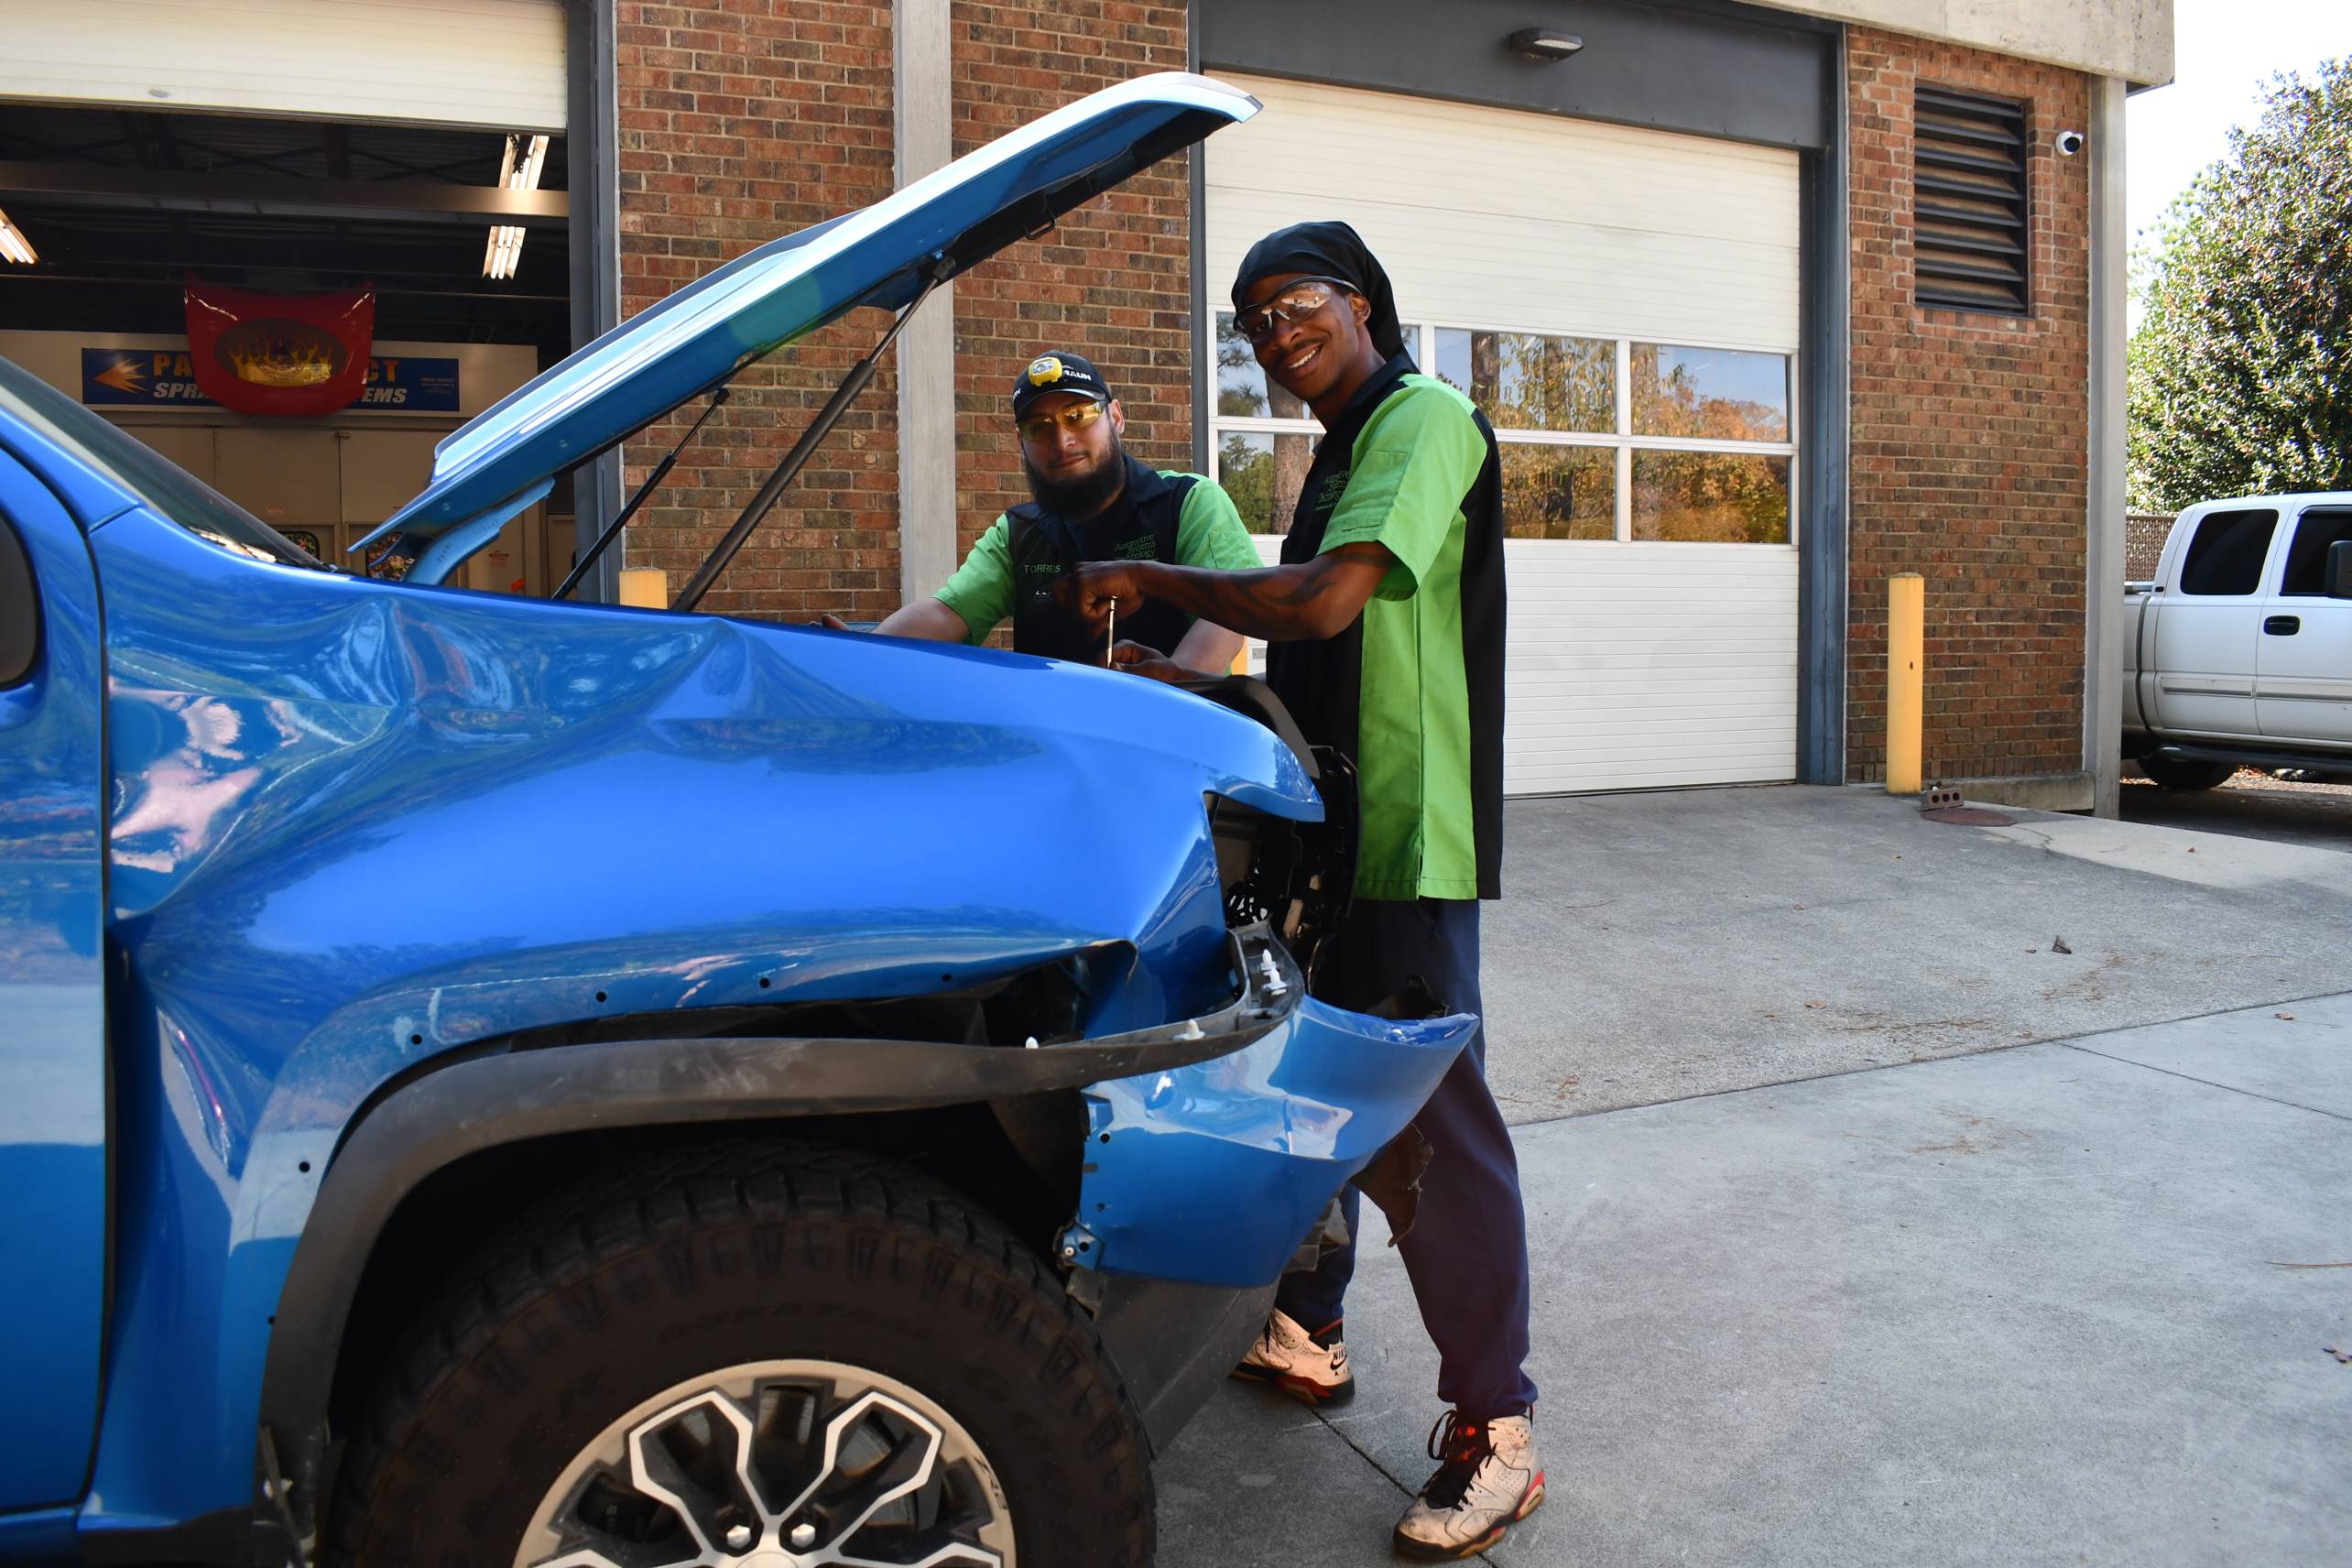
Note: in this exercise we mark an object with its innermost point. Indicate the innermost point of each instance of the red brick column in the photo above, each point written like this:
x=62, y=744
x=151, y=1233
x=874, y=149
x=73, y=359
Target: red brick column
x=1970, y=437
x=741, y=121
x=1113, y=280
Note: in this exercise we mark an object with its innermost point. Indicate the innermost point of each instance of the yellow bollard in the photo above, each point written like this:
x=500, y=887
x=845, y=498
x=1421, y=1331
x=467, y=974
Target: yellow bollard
x=1906, y=672
x=647, y=587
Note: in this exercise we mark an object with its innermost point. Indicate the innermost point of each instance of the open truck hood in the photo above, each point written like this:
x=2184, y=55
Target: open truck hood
x=879, y=255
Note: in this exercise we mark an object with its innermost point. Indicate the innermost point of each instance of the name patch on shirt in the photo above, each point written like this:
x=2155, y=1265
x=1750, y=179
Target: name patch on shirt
x=1334, y=485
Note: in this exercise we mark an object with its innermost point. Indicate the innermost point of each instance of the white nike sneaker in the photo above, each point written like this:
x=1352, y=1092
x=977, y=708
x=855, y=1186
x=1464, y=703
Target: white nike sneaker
x=1487, y=1479
x=1287, y=1356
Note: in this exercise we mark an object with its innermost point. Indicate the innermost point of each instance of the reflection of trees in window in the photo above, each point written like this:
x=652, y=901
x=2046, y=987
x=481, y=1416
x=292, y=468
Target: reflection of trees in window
x=1241, y=385
x=1694, y=393
x=1531, y=382
x=1264, y=474
x=1559, y=492
x=1719, y=497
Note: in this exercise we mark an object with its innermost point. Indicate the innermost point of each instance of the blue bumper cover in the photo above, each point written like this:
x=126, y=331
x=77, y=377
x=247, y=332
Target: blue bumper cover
x=1213, y=1173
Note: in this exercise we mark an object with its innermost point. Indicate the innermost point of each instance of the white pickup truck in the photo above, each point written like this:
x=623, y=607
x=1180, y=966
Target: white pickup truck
x=2239, y=653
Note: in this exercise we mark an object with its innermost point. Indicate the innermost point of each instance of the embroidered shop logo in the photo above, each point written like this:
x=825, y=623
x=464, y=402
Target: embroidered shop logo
x=1334, y=485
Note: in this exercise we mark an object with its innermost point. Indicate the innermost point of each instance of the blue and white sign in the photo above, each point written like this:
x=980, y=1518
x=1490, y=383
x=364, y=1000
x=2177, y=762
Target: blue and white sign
x=154, y=378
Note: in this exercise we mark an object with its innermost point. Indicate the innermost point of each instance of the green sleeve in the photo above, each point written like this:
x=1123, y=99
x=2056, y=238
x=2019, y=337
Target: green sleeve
x=981, y=592
x=1209, y=532
x=1413, y=462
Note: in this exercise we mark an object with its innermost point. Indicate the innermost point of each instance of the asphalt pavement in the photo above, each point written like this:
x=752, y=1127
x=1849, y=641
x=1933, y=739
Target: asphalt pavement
x=1867, y=1227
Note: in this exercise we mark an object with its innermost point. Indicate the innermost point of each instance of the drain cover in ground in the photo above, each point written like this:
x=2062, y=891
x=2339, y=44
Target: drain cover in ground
x=1970, y=817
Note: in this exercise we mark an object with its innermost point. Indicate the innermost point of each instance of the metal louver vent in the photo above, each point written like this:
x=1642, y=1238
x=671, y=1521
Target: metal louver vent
x=1969, y=202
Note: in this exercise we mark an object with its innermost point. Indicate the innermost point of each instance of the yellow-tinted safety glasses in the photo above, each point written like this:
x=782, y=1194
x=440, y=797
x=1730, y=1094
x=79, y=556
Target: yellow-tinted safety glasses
x=1043, y=427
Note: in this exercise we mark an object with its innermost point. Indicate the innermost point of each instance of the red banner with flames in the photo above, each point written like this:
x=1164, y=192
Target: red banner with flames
x=303, y=355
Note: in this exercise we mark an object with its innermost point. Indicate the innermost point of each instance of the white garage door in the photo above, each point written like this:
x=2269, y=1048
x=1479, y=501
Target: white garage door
x=494, y=63
x=1622, y=304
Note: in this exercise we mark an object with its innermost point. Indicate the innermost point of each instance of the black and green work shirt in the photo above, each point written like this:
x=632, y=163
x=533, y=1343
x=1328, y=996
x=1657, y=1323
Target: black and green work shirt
x=1413, y=690
x=1205, y=531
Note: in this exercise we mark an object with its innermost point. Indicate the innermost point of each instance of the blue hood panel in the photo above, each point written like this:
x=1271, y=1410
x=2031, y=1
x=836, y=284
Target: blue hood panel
x=878, y=255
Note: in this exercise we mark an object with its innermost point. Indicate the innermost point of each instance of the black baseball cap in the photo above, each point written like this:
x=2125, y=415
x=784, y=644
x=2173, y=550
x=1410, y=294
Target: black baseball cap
x=1059, y=370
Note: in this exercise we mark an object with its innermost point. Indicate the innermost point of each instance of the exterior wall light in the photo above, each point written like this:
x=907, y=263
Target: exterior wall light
x=1534, y=43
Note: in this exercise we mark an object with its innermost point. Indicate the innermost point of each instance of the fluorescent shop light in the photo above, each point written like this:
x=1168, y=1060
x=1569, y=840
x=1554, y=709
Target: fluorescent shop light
x=13, y=245
x=517, y=170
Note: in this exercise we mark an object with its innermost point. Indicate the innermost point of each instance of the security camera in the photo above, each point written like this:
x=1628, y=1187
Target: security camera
x=2069, y=143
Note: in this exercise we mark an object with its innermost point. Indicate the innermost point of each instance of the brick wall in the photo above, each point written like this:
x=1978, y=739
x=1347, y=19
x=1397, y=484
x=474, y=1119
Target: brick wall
x=1970, y=437
x=1113, y=281
x=742, y=120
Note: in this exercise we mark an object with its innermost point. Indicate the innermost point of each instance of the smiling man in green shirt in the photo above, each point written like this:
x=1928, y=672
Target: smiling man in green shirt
x=1384, y=625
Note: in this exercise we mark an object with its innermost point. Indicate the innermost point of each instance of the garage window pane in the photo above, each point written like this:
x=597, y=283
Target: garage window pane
x=1241, y=385
x=1559, y=492
x=1714, y=394
x=1526, y=381
x=1711, y=497
x=1263, y=475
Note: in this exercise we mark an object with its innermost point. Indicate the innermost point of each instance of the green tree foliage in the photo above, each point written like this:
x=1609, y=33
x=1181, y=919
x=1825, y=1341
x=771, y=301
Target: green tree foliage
x=2241, y=370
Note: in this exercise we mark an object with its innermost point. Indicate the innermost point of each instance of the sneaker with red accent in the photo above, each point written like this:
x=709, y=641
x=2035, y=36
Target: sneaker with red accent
x=1304, y=1365
x=1488, y=1478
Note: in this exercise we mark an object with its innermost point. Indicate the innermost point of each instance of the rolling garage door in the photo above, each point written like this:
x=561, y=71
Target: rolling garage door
x=494, y=63
x=1623, y=304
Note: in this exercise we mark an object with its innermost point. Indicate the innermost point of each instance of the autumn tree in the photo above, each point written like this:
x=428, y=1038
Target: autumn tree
x=2241, y=370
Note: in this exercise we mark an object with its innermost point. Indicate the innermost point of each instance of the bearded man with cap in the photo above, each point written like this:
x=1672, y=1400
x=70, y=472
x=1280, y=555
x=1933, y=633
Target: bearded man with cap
x=1089, y=501
x=1384, y=625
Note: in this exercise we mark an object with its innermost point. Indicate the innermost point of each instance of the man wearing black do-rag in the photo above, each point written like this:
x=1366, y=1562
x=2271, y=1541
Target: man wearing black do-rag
x=1385, y=630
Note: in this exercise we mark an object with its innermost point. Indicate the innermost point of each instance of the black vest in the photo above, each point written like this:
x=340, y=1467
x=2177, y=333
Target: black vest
x=1139, y=526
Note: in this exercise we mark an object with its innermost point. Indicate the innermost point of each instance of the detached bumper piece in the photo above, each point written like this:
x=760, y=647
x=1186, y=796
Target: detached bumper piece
x=1209, y=1173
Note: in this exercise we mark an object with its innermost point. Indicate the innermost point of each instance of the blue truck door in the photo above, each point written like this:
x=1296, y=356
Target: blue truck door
x=53, y=995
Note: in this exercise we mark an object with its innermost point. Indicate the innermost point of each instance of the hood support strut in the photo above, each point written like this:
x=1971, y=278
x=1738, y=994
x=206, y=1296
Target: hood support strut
x=652, y=482
x=941, y=269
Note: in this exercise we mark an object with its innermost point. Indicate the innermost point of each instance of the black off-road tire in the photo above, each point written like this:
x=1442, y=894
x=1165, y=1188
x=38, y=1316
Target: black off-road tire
x=2187, y=774
x=723, y=1255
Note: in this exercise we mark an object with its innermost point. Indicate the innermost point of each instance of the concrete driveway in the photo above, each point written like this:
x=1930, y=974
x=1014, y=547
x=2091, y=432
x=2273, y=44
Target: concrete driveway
x=2252, y=805
x=1869, y=1229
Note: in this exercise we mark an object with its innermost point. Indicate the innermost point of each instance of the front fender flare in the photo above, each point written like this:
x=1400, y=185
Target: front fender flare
x=518, y=1096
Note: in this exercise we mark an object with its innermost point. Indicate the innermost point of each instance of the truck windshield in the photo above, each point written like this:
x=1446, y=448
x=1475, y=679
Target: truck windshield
x=162, y=483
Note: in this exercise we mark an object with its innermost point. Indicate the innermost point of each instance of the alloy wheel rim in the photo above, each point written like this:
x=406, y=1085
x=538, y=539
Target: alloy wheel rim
x=777, y=1465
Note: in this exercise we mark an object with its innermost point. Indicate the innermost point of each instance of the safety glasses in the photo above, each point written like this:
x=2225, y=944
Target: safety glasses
x=1044, y=427
x=1301, y=299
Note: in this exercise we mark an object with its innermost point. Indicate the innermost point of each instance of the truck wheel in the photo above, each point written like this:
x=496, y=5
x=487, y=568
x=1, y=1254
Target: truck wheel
x=2187, y=773
x=765, y=1356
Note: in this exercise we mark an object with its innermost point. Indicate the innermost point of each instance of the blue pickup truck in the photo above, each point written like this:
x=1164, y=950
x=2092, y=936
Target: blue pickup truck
x=489, y=1080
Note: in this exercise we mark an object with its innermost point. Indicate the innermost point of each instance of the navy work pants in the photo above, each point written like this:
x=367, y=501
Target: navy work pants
x=1467, y=1251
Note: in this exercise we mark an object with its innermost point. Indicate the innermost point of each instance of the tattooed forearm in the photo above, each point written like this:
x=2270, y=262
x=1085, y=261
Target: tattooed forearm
x=1312, y=599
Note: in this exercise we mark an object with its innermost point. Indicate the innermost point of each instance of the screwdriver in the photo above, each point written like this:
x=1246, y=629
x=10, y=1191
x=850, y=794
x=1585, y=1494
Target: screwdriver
x=1110, y=633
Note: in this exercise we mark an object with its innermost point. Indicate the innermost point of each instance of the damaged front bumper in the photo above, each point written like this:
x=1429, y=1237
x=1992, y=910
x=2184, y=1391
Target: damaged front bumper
x=1200, y=1180
x=1212, y=1173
